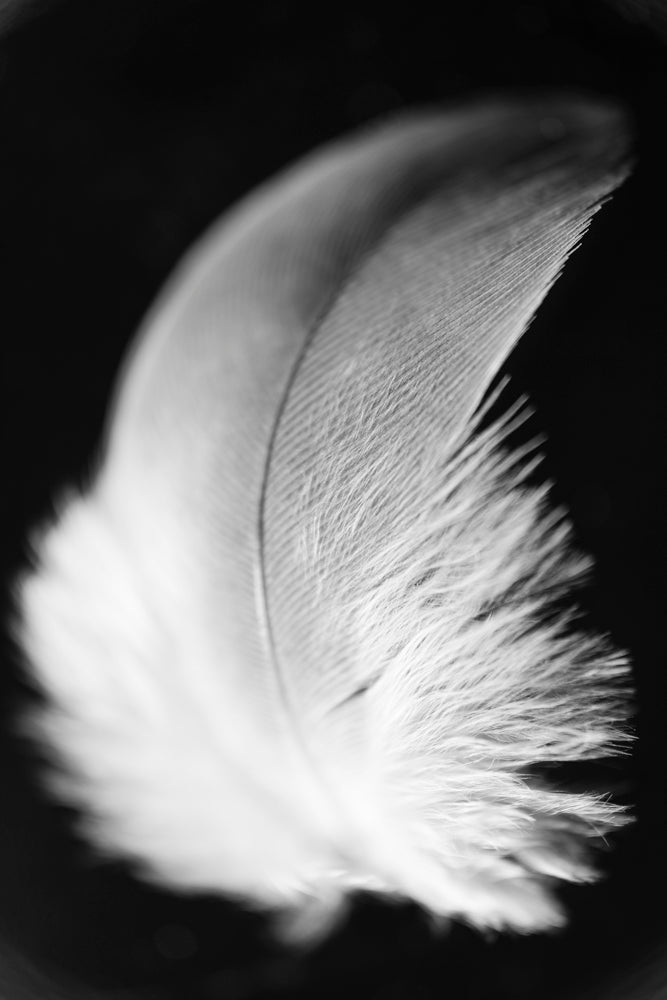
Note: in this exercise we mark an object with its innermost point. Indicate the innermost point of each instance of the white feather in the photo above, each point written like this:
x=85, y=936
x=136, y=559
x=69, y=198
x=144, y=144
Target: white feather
x=387, y=743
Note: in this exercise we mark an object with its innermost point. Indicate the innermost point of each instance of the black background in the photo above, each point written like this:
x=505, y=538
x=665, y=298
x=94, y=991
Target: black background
x=125, y=128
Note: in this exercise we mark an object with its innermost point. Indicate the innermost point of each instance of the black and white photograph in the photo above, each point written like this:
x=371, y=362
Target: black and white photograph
x=333, y=590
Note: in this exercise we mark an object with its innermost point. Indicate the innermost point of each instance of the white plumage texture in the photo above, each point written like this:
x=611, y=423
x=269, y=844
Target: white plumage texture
x=307, y=630
x=473, y=672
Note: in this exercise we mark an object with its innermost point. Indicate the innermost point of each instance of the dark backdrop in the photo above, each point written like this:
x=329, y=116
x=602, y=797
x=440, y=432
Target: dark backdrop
x=126, y=126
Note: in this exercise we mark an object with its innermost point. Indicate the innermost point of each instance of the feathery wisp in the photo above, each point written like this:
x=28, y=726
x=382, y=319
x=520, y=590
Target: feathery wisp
x=304, y=632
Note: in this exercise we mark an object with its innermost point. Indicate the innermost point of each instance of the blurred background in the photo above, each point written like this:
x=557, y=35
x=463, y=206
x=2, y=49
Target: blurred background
x=126, y=127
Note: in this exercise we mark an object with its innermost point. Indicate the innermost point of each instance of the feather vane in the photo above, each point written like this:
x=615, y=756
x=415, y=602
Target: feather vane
x=304, y=630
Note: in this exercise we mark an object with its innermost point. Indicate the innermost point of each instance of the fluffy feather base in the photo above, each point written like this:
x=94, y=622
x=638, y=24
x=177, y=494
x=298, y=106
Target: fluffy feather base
x=475, y=674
